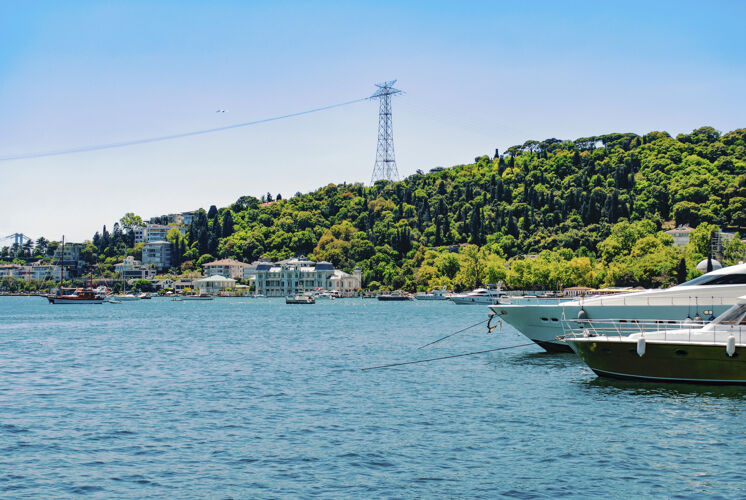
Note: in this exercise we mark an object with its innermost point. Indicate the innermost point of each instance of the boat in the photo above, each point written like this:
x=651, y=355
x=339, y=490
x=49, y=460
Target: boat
x=300, y=299
x=434, y=294
x=394, y=296
x=124, y=297
x=666, y=352
x=77, y=296
x=479, y=296
x=74, y=295
x=197, y=297
x=703, y=297
x=144, y=296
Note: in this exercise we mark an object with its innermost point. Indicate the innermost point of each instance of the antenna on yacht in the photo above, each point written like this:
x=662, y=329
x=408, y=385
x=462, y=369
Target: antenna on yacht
x=712, y=310
x=688, y=318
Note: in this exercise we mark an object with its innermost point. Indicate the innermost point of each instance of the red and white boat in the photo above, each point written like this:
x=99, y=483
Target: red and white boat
x=77, y=296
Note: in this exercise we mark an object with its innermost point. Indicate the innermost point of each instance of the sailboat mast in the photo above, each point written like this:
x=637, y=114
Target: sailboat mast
x=62, y=263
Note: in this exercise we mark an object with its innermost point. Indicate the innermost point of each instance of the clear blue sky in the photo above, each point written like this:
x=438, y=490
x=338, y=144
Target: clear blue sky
x=478, y=76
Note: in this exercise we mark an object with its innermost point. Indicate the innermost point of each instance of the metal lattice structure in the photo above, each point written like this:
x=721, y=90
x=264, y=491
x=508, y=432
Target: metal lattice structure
x=385, y=167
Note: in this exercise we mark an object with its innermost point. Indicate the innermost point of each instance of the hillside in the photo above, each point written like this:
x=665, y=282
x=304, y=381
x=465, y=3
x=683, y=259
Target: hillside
x=592, y=209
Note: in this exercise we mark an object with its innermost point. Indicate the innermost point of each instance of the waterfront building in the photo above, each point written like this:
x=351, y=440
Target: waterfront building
x=346, y=284
x=577, y=291
x=11, y=271
x=157, y=254
x=131, y=268
x=41, y=272
x=225, y=267
x=214, y=284
x=162, y=283
x=183, y=284
x=298, y=275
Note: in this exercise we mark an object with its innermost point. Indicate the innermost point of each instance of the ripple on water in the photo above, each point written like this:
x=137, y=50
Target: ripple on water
x=253, y=398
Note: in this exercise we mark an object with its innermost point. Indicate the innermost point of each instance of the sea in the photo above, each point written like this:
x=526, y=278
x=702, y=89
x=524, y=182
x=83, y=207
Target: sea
x=253, y=398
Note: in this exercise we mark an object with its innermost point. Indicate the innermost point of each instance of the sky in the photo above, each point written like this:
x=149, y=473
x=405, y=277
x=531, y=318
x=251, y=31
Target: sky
x=477, y=76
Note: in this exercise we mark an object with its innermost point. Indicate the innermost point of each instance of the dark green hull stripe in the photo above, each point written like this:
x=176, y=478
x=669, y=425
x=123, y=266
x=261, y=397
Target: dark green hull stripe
x=624, y=376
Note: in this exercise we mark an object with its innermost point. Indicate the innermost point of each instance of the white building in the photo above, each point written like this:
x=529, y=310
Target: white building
x=154, y=232
x=680, y=235
x=225, y=267
x=346, y=284
x=11, y=271
x=157, y=253
x=131, y=268
x=43, y=272
x=293, y=276
x=214, y=284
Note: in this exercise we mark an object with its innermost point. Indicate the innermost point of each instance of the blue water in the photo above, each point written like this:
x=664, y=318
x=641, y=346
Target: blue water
x=252, y=398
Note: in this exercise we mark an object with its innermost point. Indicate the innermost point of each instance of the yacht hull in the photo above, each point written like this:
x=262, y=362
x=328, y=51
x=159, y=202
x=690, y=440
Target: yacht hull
x=663, y=361
x=65, y=300
x=474, y=301
x=544, y=323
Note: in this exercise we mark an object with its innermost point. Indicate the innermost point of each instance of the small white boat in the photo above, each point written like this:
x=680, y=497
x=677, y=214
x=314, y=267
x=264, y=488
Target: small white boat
x=300, y=299
x=112, y=301
x=396, y=296
x=479, y=296
x=435, y=294
x=124, y=297
x=197, y=297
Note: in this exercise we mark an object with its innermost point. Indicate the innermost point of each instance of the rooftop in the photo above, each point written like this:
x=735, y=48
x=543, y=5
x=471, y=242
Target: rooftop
x=226, y=262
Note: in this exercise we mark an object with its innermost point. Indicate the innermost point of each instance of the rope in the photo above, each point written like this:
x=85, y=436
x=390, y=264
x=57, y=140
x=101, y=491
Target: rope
x=452, y=334
x=445, y=357
x=135, y=142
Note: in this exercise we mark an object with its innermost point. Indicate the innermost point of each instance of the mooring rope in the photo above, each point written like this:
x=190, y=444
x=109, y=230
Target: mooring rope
x=452, y=334
x=445, y=357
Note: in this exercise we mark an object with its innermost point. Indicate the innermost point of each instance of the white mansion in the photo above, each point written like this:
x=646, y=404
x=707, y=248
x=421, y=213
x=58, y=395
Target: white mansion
x=288, y=277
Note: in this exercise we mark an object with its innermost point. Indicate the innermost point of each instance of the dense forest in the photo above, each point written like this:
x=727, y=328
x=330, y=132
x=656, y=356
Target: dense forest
x=585, y=212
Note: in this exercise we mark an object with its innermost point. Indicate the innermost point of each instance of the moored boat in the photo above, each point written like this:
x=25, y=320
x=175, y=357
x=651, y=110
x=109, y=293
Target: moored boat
x=703, y=297
x=394, y=296
x=478, y=296
x=434, y=294
x=77, y=296
x=300, y=299
x=124, y=297
x=662, y=351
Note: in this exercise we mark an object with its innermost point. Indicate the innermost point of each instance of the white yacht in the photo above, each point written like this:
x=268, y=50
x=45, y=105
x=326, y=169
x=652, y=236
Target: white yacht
x=434, y=294
x=479, y=296
x=702, y=298
x=124, y=297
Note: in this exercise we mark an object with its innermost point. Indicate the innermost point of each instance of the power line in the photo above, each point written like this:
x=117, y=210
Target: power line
x=85, y=149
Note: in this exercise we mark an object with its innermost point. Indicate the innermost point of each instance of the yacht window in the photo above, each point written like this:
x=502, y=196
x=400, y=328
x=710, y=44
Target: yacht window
x=699, y=280
x=732, y=315
x=721, y=279
x=729, y=279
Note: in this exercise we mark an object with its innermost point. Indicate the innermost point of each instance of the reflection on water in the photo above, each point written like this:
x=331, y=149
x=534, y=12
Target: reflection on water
x=546, y=359
x=642, y=388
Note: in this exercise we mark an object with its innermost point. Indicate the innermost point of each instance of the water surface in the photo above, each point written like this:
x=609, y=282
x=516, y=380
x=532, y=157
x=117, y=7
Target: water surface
x=255, y=398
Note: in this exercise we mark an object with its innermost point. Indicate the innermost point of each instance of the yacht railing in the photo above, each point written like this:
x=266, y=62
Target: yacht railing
x=652, y=300
x=697, y=303
x=621, y=328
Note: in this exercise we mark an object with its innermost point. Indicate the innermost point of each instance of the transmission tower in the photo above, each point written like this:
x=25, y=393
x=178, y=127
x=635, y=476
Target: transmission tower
x=385, y=167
